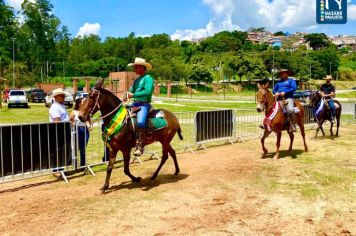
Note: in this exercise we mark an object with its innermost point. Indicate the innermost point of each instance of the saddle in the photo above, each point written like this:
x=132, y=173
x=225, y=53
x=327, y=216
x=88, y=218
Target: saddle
x=155, y=117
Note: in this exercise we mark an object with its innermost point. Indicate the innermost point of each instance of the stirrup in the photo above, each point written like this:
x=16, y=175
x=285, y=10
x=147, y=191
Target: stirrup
x=138, y=152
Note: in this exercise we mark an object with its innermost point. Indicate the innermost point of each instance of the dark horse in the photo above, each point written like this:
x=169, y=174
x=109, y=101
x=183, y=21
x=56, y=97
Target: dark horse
x=103, y=100
x=324, y=113
x=265, y=102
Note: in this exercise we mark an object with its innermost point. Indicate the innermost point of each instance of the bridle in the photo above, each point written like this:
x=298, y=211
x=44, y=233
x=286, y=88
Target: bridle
x=97, y=105
x=265, y=99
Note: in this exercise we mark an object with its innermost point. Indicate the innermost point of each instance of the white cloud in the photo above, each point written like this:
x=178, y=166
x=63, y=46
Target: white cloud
x=16, y=4
x=294, y=15
x=351, y=12
x=88, y=29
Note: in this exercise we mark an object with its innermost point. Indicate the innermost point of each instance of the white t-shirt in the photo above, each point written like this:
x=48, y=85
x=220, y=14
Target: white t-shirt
x=58, y=110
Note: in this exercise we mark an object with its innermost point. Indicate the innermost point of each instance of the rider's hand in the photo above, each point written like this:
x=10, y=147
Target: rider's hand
x=129, y=95
x=276, y=94
x=282, y=94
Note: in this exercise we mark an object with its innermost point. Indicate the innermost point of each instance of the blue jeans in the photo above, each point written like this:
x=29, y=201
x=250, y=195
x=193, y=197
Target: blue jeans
x=142, y=114
x=83, y=137
x=332, y=107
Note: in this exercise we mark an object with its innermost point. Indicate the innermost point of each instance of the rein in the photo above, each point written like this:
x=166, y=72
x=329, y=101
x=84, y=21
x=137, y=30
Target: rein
x=97, y=105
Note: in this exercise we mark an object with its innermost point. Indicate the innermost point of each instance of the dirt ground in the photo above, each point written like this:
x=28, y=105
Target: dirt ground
x=218, y=192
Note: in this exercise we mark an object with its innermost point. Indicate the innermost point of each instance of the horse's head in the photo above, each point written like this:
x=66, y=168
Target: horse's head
x=92, y=103
x=263, y=96
x=314, y=99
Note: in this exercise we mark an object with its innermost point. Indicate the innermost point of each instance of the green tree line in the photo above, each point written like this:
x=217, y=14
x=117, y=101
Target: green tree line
x=44, y=49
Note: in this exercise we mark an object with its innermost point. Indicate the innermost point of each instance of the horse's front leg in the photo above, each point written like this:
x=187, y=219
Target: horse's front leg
x=109, y=170
x=321, y=127
x=126, y=155
x=331, y=128
x=278, y=144
x=291, y=137
x=265, y=135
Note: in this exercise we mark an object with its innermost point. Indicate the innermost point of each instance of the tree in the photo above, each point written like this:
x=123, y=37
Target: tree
x=317, y=41
x=200, y=74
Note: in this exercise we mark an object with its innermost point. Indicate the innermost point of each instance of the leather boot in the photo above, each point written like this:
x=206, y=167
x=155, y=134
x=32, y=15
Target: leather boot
x=141, y=136
x=293, y=119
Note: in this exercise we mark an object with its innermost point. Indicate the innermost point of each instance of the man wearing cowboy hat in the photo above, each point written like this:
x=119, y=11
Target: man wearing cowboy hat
x=285, y=88
x=327, y=91
x=141, y=91
x=58, y=112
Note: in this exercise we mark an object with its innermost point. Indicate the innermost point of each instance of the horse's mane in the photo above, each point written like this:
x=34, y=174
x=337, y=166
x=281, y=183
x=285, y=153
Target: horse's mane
x=107, y=92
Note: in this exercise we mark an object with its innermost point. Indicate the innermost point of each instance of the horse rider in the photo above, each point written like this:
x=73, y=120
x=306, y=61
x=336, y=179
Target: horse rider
x=141, y=91
x=284, y=89
x=327, y=91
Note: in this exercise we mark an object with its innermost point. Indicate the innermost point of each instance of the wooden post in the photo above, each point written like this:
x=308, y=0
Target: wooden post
x=87, y=85
x=169, y=86
x=75, y=85
x=157, y=89
x=215, y=88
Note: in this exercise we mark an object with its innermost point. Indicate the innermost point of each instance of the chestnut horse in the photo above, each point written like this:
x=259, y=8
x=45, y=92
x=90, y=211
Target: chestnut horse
x=324, y=113
x=103, y=100
x=265, y=102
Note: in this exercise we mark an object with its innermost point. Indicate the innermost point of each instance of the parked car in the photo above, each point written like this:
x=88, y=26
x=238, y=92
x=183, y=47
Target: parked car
x=80, y=95
x=17, y=98
x=68, y=101
x=36, y=95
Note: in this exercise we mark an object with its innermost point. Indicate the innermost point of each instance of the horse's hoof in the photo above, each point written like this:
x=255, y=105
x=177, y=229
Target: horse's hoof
x=276, y=157
x=105, y=187
x=137, y=180
x=265, y=151
x=153, y=177
x=176, y=173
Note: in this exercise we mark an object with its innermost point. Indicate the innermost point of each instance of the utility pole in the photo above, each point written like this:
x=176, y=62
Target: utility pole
x=273, y=69
x=13, y=62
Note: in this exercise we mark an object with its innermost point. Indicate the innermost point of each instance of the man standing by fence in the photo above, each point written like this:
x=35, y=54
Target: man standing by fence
x=58, y=112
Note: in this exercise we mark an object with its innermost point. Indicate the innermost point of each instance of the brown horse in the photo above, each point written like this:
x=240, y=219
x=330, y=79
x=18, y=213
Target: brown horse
x=265, y=102
x=103, y=100
x=322, y=113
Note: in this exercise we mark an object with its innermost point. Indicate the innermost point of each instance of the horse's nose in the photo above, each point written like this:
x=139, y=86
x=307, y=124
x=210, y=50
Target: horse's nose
x=81, y=118
x=259, y=109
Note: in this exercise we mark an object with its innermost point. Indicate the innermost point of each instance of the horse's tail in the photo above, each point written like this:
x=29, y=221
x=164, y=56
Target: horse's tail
x=179, y=131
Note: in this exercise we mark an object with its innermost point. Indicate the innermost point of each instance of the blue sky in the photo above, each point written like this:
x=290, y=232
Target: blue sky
x=191, y=19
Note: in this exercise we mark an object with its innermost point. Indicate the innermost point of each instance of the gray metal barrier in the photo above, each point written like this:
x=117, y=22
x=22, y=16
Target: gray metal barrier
x=29, y=150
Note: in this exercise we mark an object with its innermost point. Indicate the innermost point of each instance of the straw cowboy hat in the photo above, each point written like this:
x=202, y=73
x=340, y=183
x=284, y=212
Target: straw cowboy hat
x=328, y=77
x=58, y=91
x=285, y=70
x=142, y=62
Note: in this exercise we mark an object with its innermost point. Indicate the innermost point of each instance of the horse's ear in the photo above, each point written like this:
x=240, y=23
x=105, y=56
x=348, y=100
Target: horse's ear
x=99, y=83
x=267, y=85
x=258, y=85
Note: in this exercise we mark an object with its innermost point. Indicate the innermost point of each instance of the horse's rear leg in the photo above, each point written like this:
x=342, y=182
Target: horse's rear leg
x=163, y=160
x=337, y=125
x=331, y=128
x=172, y=152
x=291, y=137
x=109, y=170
